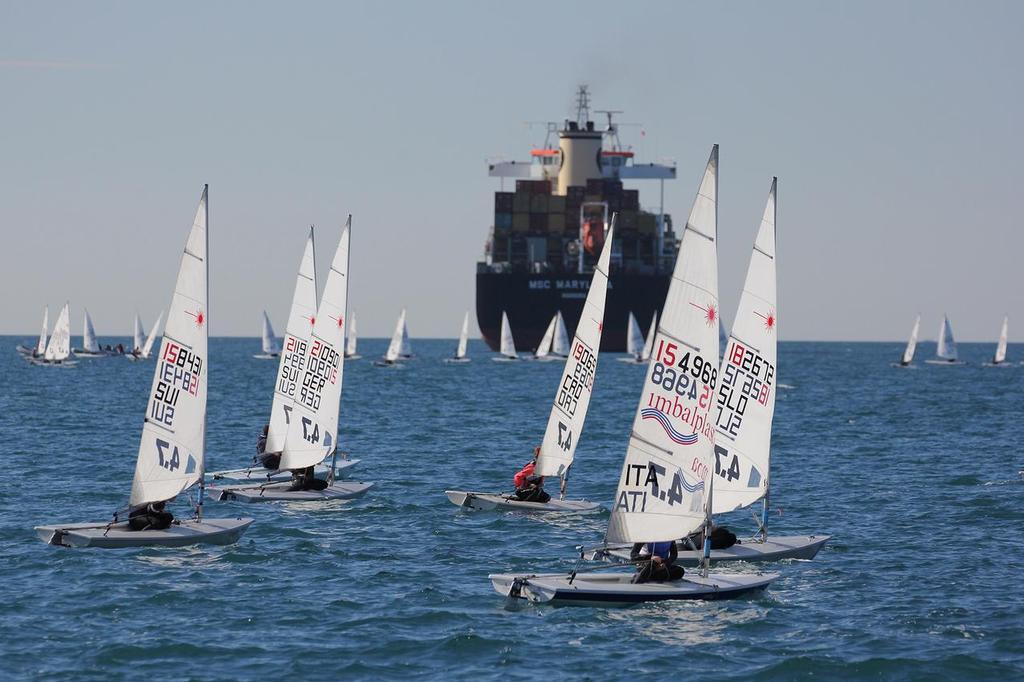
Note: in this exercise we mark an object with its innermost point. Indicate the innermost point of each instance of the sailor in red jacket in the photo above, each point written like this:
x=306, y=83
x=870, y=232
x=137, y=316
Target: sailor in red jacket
x=529, y=486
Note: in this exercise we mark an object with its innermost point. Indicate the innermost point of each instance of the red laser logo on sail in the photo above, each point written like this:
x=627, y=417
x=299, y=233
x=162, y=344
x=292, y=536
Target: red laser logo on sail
x=198, y=315
x=710, y=313
x=769, y=320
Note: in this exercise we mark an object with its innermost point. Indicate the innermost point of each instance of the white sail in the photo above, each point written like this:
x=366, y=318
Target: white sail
x=634, y=337
x=460, y=351
x=352, y=340
x=395, y=347
x=173, y=440
x=1000, y=355
x=301, y=317
x=313, y=431
x=405, y=349
x=41, y=346
x=89, y=343
x=560, y=342
x=947, y=346
x=661, y=490
x=270, y=346
x=59, y=347
x=746, y=381
x=723, y=336
x=147, y=348
x=508, y=344
x=908, y=352
x=139, y=335
x=572, y=397
x=651, y=333
x=544, y=347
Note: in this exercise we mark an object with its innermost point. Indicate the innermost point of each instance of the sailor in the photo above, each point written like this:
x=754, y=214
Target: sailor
x=655, y=562
x=529, y=486
x=268, y=460
x=151, y=516
x=721, y=538
x=305, y=479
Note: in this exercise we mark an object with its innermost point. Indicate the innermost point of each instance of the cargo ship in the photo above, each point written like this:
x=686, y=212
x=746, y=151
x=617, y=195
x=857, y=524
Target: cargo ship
x=547, y=234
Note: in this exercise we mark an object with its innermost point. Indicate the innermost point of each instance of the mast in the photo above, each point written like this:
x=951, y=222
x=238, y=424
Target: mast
x=206, y=262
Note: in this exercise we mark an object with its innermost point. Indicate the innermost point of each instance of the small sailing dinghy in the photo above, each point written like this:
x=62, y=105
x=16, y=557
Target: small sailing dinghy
x=999, y=359
x=560, y=341
x=270, y=347
x=172, y=448
x=666, y=488
x=311, y=418
x=508, y=344
x=568, y=409
x=638, y=349
x=351, y=340
x=460, y=349
x=90, y=346
x=745, y=411
x=908, y=352
x=543, y=352
x=945, y=350
x=58, y=349
x=399, y=339
x=146, y=349
x=39, y=349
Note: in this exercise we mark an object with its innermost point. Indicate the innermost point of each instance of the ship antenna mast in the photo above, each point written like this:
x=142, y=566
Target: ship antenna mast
x=582, y=106
x=612, y=131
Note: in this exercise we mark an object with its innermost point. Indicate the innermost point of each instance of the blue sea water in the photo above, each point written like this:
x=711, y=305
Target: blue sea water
x=913, y=471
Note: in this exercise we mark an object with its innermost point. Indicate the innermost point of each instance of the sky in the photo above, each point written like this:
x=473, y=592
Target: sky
x=893, y=128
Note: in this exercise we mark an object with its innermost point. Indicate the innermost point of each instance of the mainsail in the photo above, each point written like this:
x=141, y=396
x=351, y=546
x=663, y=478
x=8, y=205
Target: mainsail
x=544, y=347
x=908, y=352
x=947, y=346
x=572, y=397
x=460, y=351
x=508, y=344
x=301, y=316
x=661, y=490
x=41, y=346
x=560, y=342
x=174, y=434
x=270, y=346
x=139, y=335
x=1000, y=355
x=395, y=347
x=350, y=342
x=405, y=349
x=147, y=348
x=89, y=343
x=59, y=347
x=313, y=431
x=634, y=337
x=746, y=381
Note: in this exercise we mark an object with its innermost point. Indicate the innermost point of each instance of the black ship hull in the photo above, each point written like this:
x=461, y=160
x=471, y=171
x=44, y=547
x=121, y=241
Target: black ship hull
x=532, y=300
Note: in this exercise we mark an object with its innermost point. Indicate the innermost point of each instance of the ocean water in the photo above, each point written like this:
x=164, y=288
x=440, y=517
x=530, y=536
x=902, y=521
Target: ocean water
x=913, y=471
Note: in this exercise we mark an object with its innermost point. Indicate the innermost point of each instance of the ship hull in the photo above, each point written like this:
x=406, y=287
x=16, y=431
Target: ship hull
x=532, y=300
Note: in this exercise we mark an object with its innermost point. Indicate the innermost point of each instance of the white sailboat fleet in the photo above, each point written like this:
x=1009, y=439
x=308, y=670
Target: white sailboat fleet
x=270, y=348
x=460, y=348
x=666, y=488
x=639, y=350
x=142, y=349
x=507, y=350
x=171, y=452
x=568, y=410
x=58, y=349
x=304, y=417
x=908, y=352
x=945, y=350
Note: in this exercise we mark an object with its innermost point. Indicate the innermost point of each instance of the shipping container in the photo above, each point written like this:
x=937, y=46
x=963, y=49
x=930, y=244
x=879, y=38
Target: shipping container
x=503, y=202
x=538, y=222
x=521, y=202
x=503, y=221
x=556, y=204
x=556, y=222
x=539, y=203
x=631, y=200
x=520, y=222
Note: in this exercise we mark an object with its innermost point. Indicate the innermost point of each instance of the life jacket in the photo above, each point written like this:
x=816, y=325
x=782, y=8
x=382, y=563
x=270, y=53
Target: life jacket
x=661, y=549
x=519, y=480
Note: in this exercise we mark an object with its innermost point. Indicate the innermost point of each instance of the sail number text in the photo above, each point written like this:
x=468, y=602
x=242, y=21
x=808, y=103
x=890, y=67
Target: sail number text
x=291, y=365
x=322, y=367
x=180, y=371
x=745, y=376
x=581, y=377
x=651, y=478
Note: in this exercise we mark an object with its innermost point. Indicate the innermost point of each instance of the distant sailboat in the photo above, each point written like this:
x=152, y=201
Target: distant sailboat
x=908, y=352
x=173, y=444
x=90, y=346
x=543, y=351
x=143, y=352
x=999, y=359
x=508, y=344
x=945, y=351
x=350, y=342
x=271, y=349
x=138, y=335
x=58, y=350
x=560, y=342
x=460, y=349
x=399, y=339
x=638, y=349
x=40, y=347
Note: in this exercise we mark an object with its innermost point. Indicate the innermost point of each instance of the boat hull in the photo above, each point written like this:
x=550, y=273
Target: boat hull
x=260, y=475
x=804, y=547
x=490, y=502
x=117, y=536
x=278, y=492
x=615, y=588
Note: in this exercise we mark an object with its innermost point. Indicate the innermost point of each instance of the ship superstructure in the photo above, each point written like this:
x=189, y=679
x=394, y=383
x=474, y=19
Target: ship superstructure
x=547, y=235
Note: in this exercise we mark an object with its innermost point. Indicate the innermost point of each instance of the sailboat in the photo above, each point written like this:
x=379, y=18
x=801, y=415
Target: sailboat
x=908, y=352
x=639, y=350
x=311, y=417
x=350, y=342
x=58, y=349
x=138, y=336
x=399, y=339
x=90, y=346
x=544, y=348
x=666, y=487
x=945, y=350
x=999, y=359
x=173, y=444
x=568, y=409
x=508, y=344
x=560, y=342
x=460, y=350
x=269, y=345
x=405, y=348
x=40, y=347
x=144, y=352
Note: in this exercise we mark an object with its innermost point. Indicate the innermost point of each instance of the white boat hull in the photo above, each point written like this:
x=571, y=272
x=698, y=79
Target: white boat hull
x=258, y=474
x=39, y=362
x=267, y=356
x=506, y=359
x=357, y=356
x=278, y=492
x=89, y=354
x=456, y=361
x=776, y=548
x=191, y=532
x=632, y=361
x=936, y=361
x=589, y=589
x=488, y=502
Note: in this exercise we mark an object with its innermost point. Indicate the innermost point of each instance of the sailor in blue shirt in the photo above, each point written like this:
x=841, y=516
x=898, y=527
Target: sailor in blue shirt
x=655, y=562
